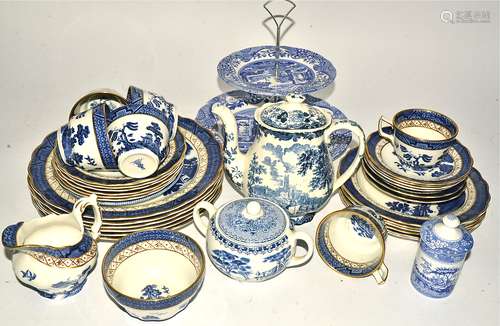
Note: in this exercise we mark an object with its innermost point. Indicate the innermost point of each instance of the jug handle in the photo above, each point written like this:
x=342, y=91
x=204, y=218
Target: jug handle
x=358, y=132
x=81, y=205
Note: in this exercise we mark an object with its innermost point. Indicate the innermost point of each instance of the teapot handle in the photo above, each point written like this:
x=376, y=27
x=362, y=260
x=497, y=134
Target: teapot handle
x=81, y=204
x=199, y=221
x=358, y=132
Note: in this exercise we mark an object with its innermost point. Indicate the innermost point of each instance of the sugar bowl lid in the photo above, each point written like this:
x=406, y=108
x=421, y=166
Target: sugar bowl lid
x=445, y=239
x=292, y=114
x=252, y=221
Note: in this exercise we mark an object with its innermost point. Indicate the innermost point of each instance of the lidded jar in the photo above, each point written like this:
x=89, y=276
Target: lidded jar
x=444, y=245
x=250, y=239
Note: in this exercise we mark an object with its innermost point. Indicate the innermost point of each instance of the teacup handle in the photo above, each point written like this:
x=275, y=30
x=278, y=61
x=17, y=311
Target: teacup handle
x=380, y=274
x=81, y=204
x=200, y=222
x=360, y=135
x=382, y=133
x=299, y=260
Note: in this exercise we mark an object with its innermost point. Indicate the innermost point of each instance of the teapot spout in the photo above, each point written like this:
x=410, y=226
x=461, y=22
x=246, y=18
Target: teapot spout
x=234, y=160
x=9, y=235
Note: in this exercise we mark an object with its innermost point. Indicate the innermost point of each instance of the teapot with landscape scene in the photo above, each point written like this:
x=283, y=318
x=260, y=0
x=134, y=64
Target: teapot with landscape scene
x=288, y=163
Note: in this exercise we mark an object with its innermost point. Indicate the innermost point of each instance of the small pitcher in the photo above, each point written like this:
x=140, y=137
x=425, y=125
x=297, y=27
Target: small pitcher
x=54, y=254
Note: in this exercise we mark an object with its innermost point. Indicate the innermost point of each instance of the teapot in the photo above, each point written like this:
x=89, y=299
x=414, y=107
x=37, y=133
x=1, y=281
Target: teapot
x=54, y=254
x=288, y=163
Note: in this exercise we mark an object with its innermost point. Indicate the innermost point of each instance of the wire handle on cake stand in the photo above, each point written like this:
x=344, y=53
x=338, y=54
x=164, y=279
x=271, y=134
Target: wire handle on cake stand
x=278, y=29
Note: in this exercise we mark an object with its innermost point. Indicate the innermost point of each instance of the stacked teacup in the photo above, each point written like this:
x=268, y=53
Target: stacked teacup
x=133, y=138
x=415, y=169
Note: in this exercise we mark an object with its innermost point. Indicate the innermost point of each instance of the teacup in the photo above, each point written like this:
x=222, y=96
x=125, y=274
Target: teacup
x=352, y=242
x=153, y=275
x=84, y=142
x=140, y=131
x=420, y=137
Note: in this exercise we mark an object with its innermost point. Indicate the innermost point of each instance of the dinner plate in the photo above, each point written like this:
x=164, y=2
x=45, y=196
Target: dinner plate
x=244, y=104
x=199, y=172
x=471, y=204
x=260, y=70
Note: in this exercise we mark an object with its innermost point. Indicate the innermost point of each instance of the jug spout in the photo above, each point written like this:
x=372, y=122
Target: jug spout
x=234, y=160
x=9, y=235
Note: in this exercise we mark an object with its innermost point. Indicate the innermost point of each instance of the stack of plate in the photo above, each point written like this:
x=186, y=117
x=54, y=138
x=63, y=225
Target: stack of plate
x=406, y=198
x=191, y=173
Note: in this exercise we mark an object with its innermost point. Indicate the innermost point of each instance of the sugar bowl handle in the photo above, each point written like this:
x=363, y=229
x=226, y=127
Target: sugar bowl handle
x=200, y=222
x=300, y=260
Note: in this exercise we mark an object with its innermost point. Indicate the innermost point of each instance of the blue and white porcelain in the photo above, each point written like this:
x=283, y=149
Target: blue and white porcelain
x=84, y=143
x=153, y=275
x=352, y=242
x=140, y=131
x=250, y=239
x=452, y=168
x=444, y=245
x=421, y=138
x=289, y=162
x=109, y=97
x=54, y=255
x=243, y=105
x=202, y=169
x=469, y=207
x=261, y=70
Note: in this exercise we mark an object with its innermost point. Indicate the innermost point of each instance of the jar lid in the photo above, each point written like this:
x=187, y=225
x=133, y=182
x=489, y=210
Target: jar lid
x=445, y=239
x=252, y=221
x=293, y=114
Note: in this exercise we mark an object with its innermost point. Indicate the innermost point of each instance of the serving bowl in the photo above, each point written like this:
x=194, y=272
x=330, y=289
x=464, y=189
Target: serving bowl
x=153, y=275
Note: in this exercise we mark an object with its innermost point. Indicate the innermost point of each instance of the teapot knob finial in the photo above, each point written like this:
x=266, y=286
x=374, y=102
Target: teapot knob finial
x=253, y=210
x=295, y=98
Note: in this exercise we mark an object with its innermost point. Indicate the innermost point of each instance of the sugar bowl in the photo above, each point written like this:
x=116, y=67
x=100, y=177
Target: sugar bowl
x=250, y=239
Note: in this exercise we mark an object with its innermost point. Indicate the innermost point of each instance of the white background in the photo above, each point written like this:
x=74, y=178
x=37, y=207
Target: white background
x=389, y=56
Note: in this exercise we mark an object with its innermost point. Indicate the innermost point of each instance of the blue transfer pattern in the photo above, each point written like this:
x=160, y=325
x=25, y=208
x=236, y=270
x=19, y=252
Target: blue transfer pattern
x=163, y=303
x=37, y=170
x=242, y=248
x=434, y=281
x=277, y=117
x=99, y=116
x=154, y=292
x=254, y=70
x=229, y=263
x=9, y=240
x=280, y=259
x=333, y=262
x=421, y=210
x=243, y=104
x=29, y=275
x=478, y=204
x=237, y=227
x=362, y=227
x=123, y=139
x=442, y=170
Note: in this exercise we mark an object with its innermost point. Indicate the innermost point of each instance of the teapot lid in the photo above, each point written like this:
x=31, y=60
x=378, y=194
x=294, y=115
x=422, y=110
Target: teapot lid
x=292, y=114
x=445, y=239
x=252, y=221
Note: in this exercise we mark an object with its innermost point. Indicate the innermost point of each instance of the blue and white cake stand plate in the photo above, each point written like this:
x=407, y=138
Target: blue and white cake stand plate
x=265, y=71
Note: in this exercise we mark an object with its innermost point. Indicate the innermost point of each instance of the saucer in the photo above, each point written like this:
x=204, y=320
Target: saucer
x=244, y=104
x=254, y=70
x=453, y=168
x=469, y=206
